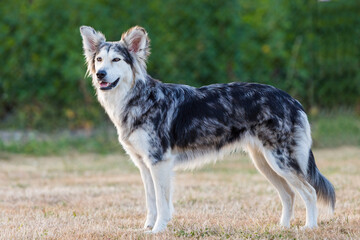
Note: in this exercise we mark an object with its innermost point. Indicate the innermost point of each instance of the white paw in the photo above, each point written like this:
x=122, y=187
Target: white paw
x=150, y=222
x=160, y=226
x=285, y=224
x=148, y=232
x=308, y=227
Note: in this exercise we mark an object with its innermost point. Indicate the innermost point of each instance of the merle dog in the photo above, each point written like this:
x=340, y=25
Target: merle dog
x=162, y=126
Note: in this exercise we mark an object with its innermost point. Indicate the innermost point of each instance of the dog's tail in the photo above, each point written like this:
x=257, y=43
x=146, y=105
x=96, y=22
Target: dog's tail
x=324, y=189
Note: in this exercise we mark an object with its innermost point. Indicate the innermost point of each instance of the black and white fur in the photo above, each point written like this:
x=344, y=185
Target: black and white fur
x=162, y=126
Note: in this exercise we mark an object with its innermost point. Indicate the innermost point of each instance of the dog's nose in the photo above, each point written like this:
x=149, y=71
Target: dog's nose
x=101, y=74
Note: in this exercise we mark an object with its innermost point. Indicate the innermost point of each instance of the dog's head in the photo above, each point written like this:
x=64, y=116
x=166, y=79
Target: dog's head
x=112, y=64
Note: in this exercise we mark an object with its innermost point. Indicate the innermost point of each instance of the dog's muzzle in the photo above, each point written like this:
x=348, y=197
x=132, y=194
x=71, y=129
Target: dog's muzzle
x=104, y=85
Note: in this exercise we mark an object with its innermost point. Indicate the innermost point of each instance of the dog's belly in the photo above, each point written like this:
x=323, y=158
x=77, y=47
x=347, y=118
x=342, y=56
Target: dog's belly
x=191, y=158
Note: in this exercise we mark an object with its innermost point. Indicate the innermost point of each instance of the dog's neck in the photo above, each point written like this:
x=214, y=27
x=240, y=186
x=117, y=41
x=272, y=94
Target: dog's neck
x=114, y=101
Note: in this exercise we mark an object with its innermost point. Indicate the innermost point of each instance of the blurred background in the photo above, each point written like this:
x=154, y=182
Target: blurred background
x=311, y=49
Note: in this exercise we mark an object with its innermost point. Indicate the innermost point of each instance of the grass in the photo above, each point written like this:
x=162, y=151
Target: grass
x=102, y=141
x=329, y=129
x=97, y=196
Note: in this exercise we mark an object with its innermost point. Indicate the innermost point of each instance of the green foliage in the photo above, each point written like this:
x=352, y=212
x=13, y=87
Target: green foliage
x=308, y=48
x=338, y=53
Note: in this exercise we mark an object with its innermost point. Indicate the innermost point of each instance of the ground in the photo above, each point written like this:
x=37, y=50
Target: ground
x=91, y=196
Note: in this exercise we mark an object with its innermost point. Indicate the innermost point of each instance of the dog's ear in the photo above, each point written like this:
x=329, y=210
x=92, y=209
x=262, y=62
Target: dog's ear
x=91, y=38
x=137, y=42
x=91, y=41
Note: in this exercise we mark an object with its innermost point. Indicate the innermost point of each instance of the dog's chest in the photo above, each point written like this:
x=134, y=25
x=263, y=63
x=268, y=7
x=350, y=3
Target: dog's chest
x=136, y=144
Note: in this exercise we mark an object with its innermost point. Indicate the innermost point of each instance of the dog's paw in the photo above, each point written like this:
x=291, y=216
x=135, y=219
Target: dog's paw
x=148, y=232
x=160, y=226
x=151, y=231
x=150, y=222
x=147, y=227
x=308, y=227
x=284, y=227
x=284, y=224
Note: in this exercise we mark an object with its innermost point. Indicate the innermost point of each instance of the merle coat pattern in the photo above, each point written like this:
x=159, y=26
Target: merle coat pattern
x=162, y=126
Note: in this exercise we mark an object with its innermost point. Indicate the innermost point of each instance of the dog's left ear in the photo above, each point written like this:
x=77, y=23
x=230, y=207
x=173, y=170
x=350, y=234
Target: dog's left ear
x=137, y=42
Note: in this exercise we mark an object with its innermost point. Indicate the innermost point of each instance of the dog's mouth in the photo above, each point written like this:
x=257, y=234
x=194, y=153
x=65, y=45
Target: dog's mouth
x=104, y=85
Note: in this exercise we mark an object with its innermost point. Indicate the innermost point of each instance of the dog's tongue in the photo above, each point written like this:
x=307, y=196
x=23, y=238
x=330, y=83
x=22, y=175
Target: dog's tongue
x=104, y=84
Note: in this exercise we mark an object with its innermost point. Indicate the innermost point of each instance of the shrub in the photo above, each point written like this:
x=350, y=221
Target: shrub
x=310, y=49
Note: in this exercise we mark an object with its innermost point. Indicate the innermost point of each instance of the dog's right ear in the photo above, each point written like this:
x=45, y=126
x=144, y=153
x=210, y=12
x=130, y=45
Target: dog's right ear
x=91, y=38
x=91, y=41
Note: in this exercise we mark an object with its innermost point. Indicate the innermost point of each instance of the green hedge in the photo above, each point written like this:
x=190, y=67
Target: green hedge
x=310, y=49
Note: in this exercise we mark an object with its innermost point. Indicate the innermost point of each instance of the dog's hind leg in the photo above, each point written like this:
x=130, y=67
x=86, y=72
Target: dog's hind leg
x=286, y=194
x=298, y=182
x=162, y=173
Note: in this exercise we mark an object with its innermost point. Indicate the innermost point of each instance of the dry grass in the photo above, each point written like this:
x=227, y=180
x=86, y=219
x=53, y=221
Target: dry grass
x=101, y=197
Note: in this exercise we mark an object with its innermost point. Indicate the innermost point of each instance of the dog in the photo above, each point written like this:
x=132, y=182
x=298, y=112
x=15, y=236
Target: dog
x=164, y=126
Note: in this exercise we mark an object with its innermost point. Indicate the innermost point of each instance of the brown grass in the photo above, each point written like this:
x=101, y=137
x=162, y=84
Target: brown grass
x=101, y=197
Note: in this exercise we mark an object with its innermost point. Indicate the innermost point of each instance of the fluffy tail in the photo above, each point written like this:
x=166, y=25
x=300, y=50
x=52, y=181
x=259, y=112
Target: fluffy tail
x=324, y=189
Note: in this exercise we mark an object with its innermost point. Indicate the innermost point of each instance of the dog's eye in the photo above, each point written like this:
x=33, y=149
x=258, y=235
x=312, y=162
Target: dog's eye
x=99, y=59
x=116, y=59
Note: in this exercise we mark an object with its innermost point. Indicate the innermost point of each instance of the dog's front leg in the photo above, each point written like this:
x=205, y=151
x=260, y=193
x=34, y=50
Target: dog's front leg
x=162, y=173
x=150, y=196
